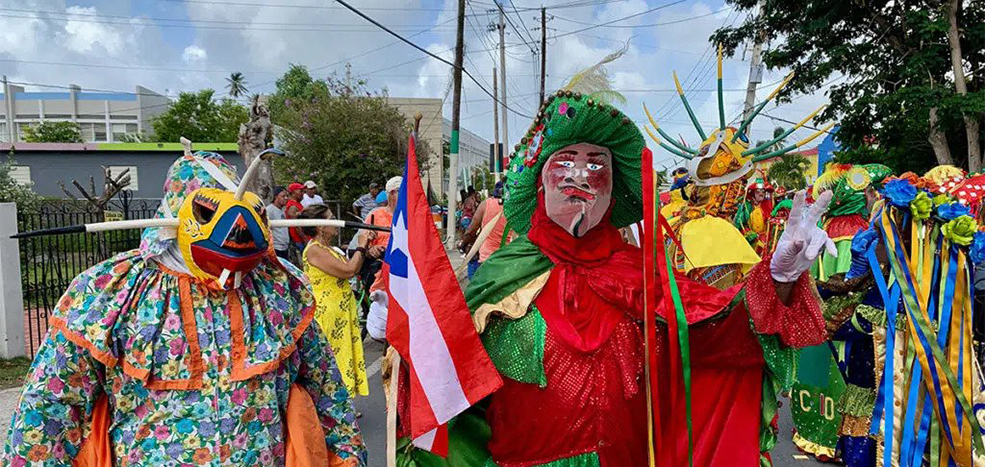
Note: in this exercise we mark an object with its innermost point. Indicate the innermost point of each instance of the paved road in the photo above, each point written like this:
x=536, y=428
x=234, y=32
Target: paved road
x=373, y=421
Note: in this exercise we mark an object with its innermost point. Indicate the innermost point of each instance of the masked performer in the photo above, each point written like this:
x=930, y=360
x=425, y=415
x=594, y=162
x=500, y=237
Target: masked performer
x=560, y=312
x=753, y=215
x=712, y=251
x=927, y=385
x=197, y=348
x=833, y=396
x=677, y=196
x=778, y=218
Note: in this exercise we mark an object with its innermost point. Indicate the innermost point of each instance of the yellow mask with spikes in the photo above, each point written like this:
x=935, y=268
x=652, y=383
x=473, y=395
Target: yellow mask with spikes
x=220, y=237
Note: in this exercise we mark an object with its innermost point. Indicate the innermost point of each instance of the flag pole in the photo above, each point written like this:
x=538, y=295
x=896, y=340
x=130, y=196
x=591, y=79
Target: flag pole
x=391, y=412
x=391, y=403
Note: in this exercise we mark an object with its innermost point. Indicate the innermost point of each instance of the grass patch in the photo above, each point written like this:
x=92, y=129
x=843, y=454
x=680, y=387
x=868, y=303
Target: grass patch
x=12, y=371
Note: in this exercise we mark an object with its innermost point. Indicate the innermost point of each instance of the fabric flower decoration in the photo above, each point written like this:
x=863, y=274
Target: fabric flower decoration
x=941, y=199
x=977, y=252
x=921, y=206
x=900, y=192
x=960, y=230
x=951, y=211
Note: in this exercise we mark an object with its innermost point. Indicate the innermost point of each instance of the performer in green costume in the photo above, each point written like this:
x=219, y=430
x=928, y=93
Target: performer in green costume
x=818, y=398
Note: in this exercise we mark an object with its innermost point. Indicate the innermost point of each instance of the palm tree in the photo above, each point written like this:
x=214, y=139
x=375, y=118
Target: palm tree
x=788, y=172
x=236, y=84
x=777, y=145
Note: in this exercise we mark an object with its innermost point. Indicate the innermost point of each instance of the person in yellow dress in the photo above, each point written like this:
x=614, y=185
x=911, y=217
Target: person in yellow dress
x=329, y=271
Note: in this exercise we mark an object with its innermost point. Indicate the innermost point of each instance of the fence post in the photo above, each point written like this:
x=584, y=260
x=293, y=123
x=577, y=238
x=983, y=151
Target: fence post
x=11, y=295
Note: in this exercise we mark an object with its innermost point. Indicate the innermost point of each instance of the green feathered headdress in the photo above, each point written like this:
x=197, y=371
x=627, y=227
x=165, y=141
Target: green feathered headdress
x=579, y=113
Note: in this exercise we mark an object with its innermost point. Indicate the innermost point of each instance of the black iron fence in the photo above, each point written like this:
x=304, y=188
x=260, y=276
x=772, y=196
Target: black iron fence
x=49, y=263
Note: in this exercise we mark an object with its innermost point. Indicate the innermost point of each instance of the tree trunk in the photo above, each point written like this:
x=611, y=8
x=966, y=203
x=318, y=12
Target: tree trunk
x=938, y=140
x=971, y=126
x=252, y=140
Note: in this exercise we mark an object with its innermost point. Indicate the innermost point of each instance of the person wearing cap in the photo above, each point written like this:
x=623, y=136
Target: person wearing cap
x=367, y=202
x=560, y=312
x=293, y=208
x=275, y=211
x=311, y=195
x=381, y=216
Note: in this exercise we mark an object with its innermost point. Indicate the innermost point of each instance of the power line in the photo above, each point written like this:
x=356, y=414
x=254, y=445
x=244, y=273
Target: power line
x=425, y=51
x=630, y=26
x=362, y=54
x=522, y=23
x=313, y=7
x=187, y=20
x=333, y=28
x=624, y=18
x=510, y=21
x=130, y=67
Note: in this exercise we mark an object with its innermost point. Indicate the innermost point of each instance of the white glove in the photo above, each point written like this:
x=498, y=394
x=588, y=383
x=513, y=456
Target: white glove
x=802, y=240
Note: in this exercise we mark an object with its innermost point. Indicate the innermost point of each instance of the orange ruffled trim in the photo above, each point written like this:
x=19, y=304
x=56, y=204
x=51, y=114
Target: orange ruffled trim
x=240, y=371
x=95, y=450
x=196, y=365
x=304, y=438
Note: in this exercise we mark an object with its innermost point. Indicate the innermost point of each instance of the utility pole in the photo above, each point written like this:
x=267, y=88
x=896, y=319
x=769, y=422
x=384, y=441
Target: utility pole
x=502, y=78
x=348, y=78
x=755, y=76
x=456, y=108
x=498, y=158
x=543, y=50
x=9, y=111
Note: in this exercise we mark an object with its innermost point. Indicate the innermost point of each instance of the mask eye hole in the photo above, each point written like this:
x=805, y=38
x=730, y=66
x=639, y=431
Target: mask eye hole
x=204, y=209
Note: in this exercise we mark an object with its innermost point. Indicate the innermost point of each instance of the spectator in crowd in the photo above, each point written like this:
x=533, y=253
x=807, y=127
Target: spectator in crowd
x=328, y=269
x=383, y=216
x=488, y=211
x=292, y=210
x=470, y=201
x=311, y=195
x=275, y=211
x=367, y=202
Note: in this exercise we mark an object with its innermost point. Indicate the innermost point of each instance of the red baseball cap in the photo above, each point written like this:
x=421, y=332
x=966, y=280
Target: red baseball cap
x=295, y=187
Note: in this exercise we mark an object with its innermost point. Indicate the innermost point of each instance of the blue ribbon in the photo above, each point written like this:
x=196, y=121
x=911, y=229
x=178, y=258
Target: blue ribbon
x=921, y=337
x=884, y=398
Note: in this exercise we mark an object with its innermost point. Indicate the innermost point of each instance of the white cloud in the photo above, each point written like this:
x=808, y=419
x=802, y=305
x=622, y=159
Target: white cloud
x=261, y=42
x=194, y=53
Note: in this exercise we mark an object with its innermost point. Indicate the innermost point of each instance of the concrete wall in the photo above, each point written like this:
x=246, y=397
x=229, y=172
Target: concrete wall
x=11, y=296
x=49, y=167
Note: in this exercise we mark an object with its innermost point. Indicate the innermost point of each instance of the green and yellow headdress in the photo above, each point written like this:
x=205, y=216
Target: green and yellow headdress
x=726, y=150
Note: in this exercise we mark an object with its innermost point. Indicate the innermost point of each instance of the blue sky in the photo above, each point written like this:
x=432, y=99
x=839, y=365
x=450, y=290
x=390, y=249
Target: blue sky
x=185, y=45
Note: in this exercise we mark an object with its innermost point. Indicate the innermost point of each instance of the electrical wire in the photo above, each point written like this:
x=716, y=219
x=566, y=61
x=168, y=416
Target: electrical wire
x=624, y=18
x=630, y=26
x=425, y=51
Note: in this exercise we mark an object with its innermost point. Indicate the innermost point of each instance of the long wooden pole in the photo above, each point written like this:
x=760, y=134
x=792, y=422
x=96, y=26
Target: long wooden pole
x=455, y=124
x=391, y=412
x=502, y=80
x=543, y=50
x=498, y=161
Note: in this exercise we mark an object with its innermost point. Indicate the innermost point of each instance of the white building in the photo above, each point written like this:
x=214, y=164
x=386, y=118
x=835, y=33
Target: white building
x=474, y=151
x=102, y=116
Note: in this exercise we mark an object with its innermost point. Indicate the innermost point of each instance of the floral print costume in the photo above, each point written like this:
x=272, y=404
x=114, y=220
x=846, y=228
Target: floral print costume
x=147, y=365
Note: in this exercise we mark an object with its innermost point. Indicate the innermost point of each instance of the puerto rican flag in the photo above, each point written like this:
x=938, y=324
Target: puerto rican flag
x=428, y=322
